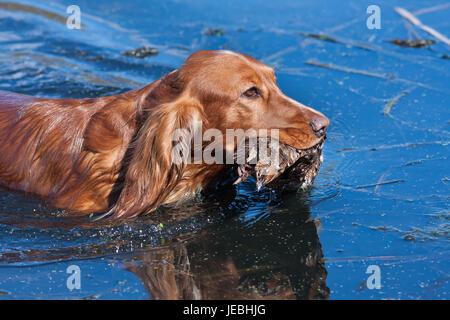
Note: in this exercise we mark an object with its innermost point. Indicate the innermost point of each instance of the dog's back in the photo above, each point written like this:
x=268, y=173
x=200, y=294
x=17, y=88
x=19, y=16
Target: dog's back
x=44, y=150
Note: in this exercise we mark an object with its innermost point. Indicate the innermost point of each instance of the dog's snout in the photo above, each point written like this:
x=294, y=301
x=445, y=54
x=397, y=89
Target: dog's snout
x=319, y=125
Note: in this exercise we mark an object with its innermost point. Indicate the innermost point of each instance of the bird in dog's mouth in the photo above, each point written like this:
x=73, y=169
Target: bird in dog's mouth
x=282, y=166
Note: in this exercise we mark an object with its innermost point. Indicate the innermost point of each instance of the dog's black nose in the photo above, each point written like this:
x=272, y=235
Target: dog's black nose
x=319, y=125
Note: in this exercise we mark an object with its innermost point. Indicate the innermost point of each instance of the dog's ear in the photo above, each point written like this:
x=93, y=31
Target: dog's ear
x=157, y=162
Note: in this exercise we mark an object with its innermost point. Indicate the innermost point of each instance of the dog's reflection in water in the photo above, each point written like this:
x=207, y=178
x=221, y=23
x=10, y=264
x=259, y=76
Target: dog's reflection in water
x=279, y=257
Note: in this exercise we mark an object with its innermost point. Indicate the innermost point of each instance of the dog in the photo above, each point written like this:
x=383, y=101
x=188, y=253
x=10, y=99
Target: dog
x=114, y=154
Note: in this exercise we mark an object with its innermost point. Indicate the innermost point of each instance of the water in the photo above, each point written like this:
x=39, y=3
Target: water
x=241, y=243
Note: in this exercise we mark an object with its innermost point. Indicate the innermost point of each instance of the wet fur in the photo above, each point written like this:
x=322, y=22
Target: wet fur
x=113, y=154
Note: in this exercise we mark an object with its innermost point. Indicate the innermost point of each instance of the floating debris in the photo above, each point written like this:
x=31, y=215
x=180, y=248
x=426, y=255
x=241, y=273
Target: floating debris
x=409, y=237
x=415, y=162
x=11, y=6
x=402, y=145
x=91, y=297
x=379, y=184
x=317, y=36
x=409, y=16
x=349, y=70
x=388, y=107
x=383, y=228
x=141, y=52
x=214, y=32
x=346, y=42
x=431, y=9
x=412, y=43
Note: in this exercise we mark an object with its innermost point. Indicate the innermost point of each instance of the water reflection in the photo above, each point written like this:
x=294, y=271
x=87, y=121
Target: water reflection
x=229, y=244
x=279, y=257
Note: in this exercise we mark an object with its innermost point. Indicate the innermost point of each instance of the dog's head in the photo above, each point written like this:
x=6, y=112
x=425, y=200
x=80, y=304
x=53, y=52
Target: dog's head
x=212, y=90
x=236, y=91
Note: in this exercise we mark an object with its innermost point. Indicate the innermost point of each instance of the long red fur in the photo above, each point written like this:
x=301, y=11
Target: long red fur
x=113, y=154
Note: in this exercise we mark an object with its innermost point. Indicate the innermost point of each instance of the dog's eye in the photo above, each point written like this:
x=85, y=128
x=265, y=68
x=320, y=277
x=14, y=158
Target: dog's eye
x=253, y=92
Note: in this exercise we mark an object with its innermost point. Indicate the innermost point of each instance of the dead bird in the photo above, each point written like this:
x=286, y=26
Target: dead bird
x=280, y=164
